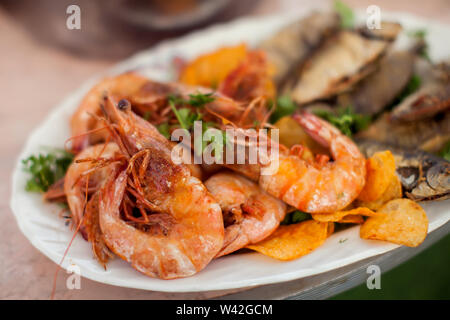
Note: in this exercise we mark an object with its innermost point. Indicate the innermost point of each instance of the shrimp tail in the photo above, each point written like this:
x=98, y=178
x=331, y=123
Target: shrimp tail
x=313, y=127
x=323, y=186
x=328, y=136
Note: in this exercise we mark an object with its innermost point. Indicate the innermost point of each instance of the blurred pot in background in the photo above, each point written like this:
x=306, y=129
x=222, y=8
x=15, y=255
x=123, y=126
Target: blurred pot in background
x=116, y=28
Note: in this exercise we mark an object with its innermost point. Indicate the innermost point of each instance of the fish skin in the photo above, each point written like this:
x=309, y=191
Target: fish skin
x=429, y=134
x=377, y=91
x=343, y=60
x=423, y=104
x=287, y=49
x=432, y=97
x=424, y=176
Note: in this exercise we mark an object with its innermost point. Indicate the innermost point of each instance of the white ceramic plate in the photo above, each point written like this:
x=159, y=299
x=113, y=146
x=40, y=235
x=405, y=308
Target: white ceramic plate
x=40, y=224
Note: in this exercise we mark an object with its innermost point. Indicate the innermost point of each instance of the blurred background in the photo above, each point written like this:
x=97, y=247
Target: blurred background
x=41, y=61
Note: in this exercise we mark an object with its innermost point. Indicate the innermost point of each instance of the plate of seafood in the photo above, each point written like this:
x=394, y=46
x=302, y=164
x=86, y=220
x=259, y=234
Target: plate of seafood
x=254, y=152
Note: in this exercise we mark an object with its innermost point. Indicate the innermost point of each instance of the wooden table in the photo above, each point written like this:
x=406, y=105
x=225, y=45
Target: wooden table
x=34, y=77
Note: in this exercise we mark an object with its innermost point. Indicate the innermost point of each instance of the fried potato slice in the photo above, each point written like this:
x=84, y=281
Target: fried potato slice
x=380, y=172
x=393, y=191
x=352, y=218
x=330, y=229
x=210, y=69
x=338, y=216
x=291, y=133
x=404, y=222
x=292, y=241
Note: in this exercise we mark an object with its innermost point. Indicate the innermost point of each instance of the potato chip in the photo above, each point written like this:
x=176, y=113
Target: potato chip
x=330, y=229
x=404, y=222
x=292, y=241
x=393, y=191
x=210, y=69
x=380, y=171
x=339, y=215
x=352, y=218
x=291, y=133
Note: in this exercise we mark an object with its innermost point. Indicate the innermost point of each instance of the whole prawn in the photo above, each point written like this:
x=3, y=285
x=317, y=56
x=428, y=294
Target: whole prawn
x=250, y=80
x=150, y=99
x=153, y=101
x=85, y=127
x=83, y=180
x=321, y=186
x=182, y=225
x=250, y=214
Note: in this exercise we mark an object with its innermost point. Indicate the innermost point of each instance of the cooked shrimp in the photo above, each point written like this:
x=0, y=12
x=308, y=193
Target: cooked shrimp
x=183, y=227
x=249, y=213
x=91, y=226
x=84, y=119
x=152, y=101
x=250, y=80
x=86, y=175
x=319, y=187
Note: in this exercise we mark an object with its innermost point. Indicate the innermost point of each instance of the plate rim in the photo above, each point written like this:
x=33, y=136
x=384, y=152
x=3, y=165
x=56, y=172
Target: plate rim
x=117, y=68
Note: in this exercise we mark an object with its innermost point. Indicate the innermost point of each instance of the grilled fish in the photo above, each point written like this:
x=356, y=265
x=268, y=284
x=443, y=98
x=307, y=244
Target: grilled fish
x=344, y=60
x=388, y=31
x=374, y=93
x=423, y=176
x=432, y=97
x=429, y=134
x=293, y=44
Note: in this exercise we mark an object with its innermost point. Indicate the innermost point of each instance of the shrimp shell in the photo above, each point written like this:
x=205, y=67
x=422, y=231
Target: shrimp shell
x=186, y=232
x=250, y=214
x=84, y=119
x=86, y=210
x=319, y=188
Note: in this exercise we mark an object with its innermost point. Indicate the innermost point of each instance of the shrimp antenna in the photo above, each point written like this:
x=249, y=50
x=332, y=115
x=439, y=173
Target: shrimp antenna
x=81, y=135
x=52, y=296
x=249, y=108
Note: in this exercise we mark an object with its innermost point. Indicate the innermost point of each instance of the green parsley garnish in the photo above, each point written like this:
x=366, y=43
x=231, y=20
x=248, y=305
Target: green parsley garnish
x=445, y=152
x=164, y=129
x=347, y=121
x=418, y=33
x=284, y=107
x=46, y=169
x=296, y=217
x=147, y=115
x=185, y=116
x=200, y=145
x=345, y=13
x=200, y=99
x=195, y=99
x=421, y=34
x=412, y=86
